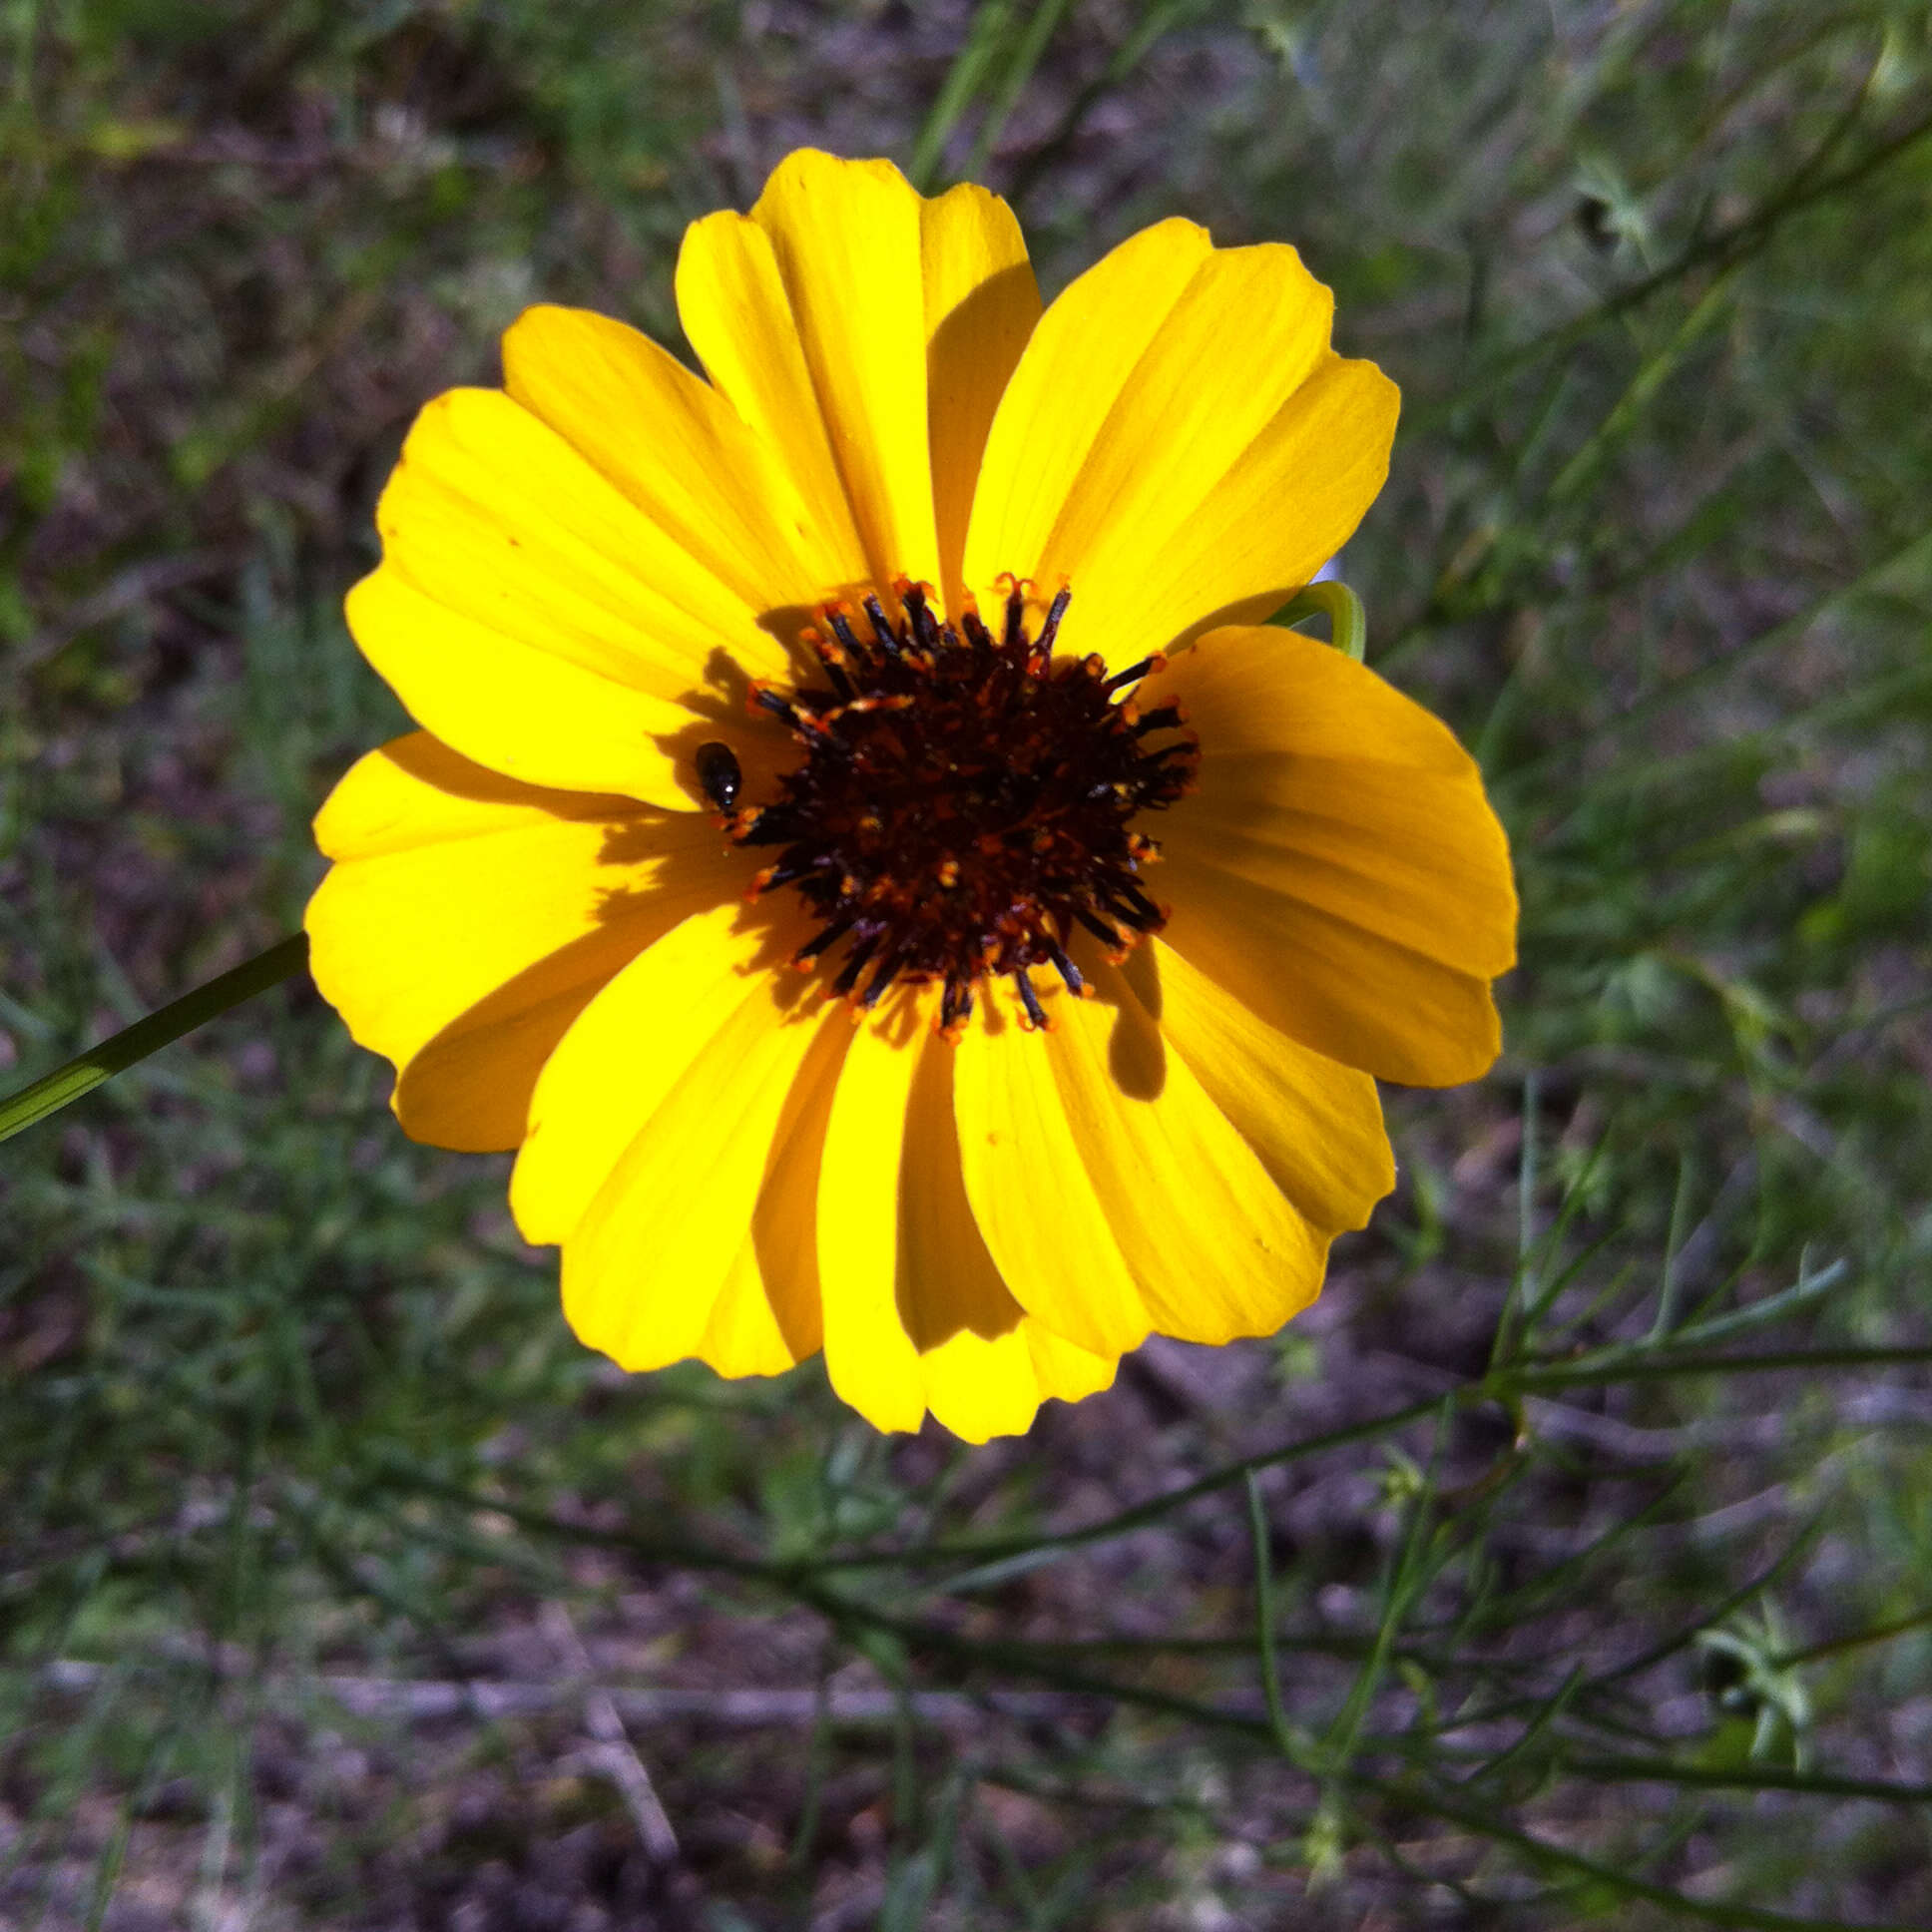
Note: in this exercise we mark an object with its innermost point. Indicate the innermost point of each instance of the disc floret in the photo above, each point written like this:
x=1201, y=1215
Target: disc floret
x=964, y=802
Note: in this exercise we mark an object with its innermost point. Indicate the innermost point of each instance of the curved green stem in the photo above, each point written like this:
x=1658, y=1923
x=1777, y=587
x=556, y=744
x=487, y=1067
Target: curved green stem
x=1347, y=622
x=86, y=1071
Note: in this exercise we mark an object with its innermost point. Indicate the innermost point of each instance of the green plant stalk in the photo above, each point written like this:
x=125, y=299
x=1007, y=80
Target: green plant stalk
x=956, y=91
x=1625, y=1885
x=1666, y=696
x=1026, y=57
x=1264, y=1618
x=123, y=1050
x=1878, y=1634
x=1347, y=622
x=1739, y=242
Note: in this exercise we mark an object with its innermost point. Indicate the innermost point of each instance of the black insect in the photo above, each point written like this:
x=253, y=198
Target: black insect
x=718, y=773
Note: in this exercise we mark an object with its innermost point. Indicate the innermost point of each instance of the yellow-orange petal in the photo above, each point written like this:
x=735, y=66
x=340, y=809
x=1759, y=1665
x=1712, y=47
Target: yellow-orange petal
x=916, y=1315
x=981, y=306
x=1178, y=441
x=735, y=309
x=1034, y=1205
x=1217, y=1248
x=534, y=617
x=646, y=1264
x=768, y=1316
x=816, y=330
x=872, y=1362
x=1078, y=359
x=1339, y=872
x=1280, y=509
x=672, y=445
x=468, y=918
x=627, y=1054
x=1315, y=1125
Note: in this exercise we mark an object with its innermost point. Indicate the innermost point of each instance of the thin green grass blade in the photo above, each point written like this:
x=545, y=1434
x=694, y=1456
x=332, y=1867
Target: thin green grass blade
x=1776, y=1308
x=1141, y=1513
x=1908, y=555
x=1741, y=239
x=964, y=79
x=1525, y=1284
x=1541, y=1724
x=1407, y=1577
x=1265, y=1616
x=1918, y=1620
x=1154, y=24
x=1026, y=52
x=1620, y=1882
x=1617, y=427
x=1663, y=1366
x=1744, y=1777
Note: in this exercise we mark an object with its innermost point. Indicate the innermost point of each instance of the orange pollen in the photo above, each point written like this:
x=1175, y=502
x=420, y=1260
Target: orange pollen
x=963, y=801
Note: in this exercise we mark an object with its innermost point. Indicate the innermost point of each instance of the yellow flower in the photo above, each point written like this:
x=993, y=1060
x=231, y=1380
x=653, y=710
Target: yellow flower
x=691, y=719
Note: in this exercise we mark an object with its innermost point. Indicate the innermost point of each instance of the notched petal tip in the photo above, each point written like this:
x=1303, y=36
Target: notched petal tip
x=811, y=168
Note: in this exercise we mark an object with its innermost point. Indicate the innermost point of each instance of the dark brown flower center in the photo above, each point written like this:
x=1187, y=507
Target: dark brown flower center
x=965, y=800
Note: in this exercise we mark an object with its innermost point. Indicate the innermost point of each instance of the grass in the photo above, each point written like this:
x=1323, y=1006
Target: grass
x=1571, y=1564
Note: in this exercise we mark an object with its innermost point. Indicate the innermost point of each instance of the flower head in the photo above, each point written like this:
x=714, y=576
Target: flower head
x=864, y=850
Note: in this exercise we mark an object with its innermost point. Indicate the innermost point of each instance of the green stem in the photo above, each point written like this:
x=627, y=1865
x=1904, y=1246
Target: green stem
x=1026, y=57
x=976, y=55
x=1725, y=249
x=1741, y=1778
x=86, y=1071
x=1265, y=1616
x=1347, y=622
x=1621, y=1883
x=1836, y=1646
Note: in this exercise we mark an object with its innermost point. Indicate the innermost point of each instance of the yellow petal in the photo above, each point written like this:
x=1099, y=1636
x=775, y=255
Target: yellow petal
x=987, y=1366
x=1217, y=1248
x=491, y=512
x=627, y=1053
x=768, y=1316
x=916, y=1315
x=1279, y=511
x=741, y=1334
x=1036, y=1208
x=845, y=234
x=673, y=445
x=1030, y=1195
x=816, y=331
x=1339, y=872
x=1079, y=358
x=871, y=1361
x=1352, y=994
x=522, y=595
x=468, y=918
x=1205, y=451
x=644, y=1267
x=1065, y=1370
x=981, y=306
x=736, y=311
x=1317, y=1126
x=525, y=712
